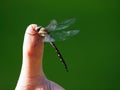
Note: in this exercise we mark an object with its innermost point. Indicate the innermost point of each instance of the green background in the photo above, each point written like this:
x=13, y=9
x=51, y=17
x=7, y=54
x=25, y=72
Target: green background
x=93, y=56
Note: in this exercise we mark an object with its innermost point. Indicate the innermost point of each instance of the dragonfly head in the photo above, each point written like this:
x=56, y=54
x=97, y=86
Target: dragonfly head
x=41, y=31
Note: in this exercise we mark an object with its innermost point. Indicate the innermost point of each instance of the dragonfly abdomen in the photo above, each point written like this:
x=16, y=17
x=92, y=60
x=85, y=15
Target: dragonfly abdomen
x=59, y=55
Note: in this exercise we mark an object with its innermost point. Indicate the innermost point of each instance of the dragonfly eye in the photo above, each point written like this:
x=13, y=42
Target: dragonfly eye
x=38, y=28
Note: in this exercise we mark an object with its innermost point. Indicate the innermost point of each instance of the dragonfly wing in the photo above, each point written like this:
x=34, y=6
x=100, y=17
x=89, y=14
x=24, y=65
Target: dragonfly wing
x=65, y=24
x=48, y=38
x=52, y=25
x=63, y=35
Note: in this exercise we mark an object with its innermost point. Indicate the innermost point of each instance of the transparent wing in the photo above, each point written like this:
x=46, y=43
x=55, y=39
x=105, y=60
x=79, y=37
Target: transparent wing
x=52, y=25
x=48, y=38
x=63, y=25
x=63, y=35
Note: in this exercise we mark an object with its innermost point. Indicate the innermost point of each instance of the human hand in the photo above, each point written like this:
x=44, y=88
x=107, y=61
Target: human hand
x=32, y=76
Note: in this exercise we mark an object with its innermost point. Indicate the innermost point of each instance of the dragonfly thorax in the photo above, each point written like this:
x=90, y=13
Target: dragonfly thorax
x=42, y=32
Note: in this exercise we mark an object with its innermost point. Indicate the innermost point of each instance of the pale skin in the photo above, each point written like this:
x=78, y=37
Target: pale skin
x=32, y=76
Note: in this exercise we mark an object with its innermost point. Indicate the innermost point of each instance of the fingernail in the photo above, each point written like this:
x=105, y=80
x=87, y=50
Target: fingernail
x=31, y=29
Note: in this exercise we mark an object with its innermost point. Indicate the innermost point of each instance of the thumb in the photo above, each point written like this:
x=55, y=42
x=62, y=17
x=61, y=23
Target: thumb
x=33, y=48
x=33, y=43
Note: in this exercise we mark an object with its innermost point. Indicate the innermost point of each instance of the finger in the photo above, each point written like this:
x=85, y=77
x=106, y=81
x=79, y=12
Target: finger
x=33, y=43
x=33, y=48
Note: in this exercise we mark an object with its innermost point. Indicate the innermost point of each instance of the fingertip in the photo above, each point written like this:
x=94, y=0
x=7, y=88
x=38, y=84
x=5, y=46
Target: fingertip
x=31, y=29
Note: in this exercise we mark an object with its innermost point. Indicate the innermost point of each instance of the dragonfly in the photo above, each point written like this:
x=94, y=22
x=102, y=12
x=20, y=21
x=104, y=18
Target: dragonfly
x=56, y=32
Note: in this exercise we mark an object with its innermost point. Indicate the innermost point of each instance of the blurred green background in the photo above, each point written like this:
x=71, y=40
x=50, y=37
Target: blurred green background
x=93, y=56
